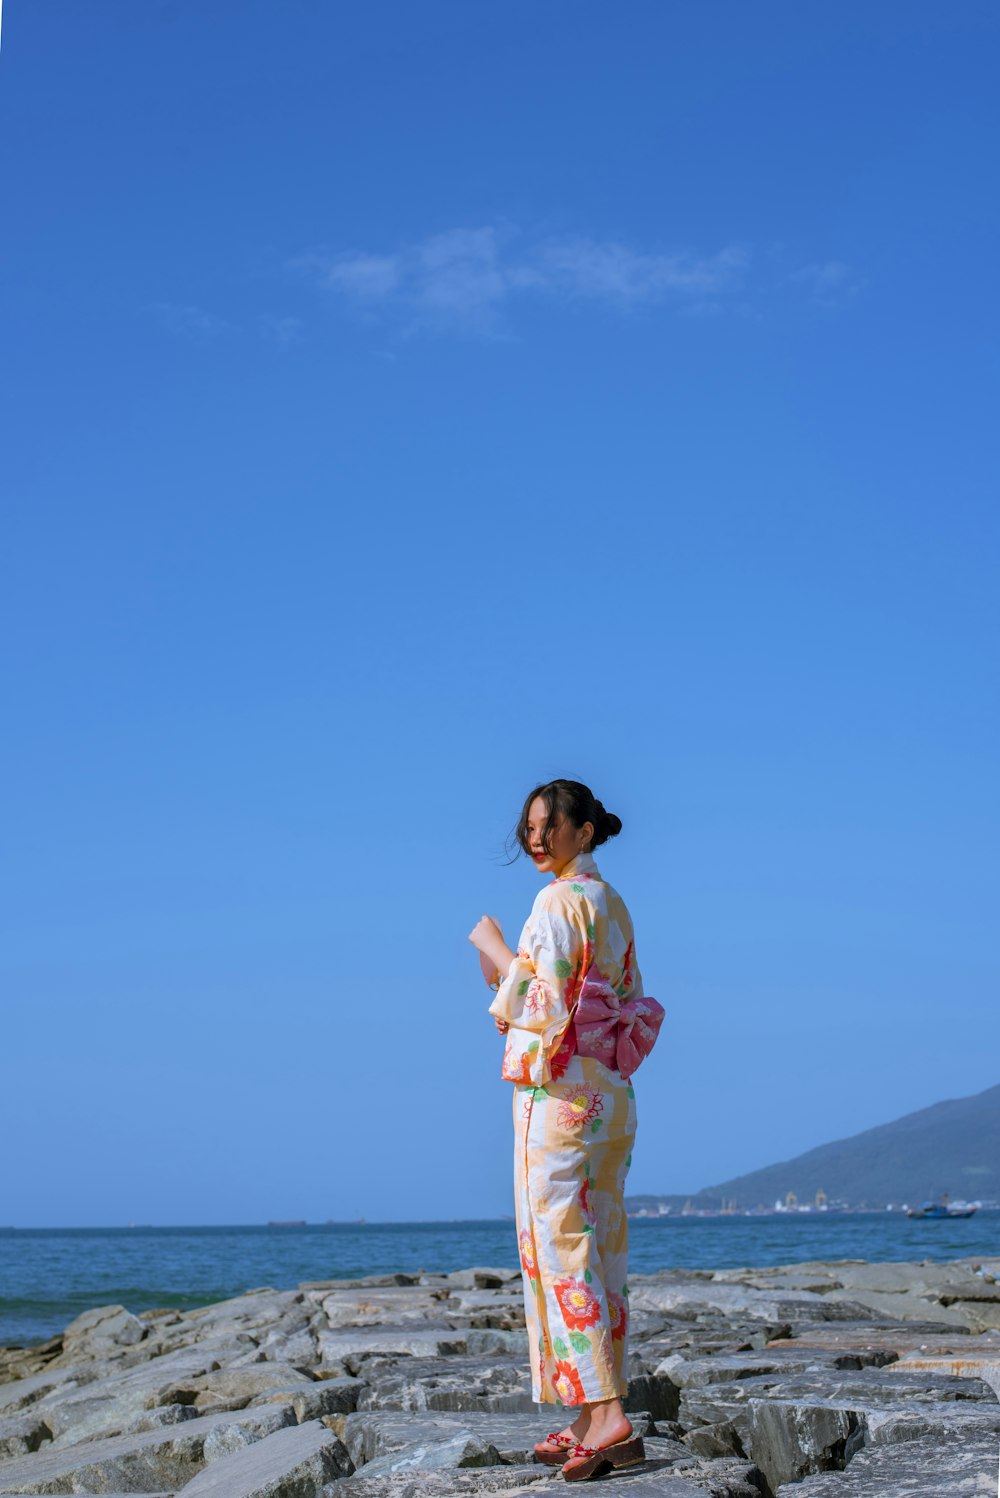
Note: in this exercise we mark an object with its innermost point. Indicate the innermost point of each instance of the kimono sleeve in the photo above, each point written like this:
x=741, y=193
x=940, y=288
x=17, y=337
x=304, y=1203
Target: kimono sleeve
x=536, y=997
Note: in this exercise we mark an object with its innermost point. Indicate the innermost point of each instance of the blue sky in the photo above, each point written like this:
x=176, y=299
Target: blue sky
x=407, y=404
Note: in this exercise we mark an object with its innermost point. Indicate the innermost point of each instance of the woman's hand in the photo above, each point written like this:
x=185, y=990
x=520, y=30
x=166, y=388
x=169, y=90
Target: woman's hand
x=495, y=955
x=487, y=935
x=485, y=932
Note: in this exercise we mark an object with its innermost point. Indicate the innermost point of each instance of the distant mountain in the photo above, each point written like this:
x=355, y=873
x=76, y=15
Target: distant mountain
x=952, y=1146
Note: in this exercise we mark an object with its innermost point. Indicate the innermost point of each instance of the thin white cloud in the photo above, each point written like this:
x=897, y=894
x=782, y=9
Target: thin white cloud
x=284, y=331
x=464, y=278
x=186, y=321
x=613, y=271
x=825, y=281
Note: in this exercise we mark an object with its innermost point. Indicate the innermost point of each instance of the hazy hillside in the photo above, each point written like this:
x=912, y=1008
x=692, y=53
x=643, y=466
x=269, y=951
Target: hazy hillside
x=952, y=1146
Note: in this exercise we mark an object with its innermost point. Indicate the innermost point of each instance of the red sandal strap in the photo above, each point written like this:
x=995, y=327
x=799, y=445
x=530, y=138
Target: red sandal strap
x=594, y=1450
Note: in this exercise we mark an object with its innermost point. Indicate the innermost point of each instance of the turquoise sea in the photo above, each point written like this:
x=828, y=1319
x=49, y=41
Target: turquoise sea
x=50, y=1275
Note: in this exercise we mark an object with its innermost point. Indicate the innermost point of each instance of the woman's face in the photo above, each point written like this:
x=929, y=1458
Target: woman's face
x=565, y=840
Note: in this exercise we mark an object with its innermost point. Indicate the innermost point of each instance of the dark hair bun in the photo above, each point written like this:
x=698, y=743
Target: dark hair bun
x=607, y=825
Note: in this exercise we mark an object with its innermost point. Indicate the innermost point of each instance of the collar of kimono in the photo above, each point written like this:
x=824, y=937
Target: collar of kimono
x=584, y=864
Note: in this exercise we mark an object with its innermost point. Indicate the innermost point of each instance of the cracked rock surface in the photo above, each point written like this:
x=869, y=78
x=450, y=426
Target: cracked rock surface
x=827, y=1379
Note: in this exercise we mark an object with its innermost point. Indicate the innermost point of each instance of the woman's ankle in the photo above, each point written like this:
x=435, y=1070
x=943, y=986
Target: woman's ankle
x=601, y=1417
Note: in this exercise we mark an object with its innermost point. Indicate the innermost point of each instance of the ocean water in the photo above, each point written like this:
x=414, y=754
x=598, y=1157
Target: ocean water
x=50, y=1275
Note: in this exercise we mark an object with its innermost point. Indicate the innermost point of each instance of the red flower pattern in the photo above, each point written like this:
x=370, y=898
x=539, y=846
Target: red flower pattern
x=579, y=1305
x=567, y=1383
x=528, y=1261
x=515, y=1068
x=536, y=1000
x=579, y=1107
x=618, y=1315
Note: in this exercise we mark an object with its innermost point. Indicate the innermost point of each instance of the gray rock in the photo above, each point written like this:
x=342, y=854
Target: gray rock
x=916, y=1469
x=482, y=1279
x=904, y=1308
x=462, y=1449
x=451, y=1484
x=118, y=1402
x=371, y=1434
x=100, y=1330
x=784, y=1363
x=395, y=1305
x=653, y=1479
x=250, y=1427
x=788, y=1441
x=652, y=1392
x=715, y=1440
x=347, y=1347
x=866, y=1388
x=698, y=1372
x=481, y=1339
x=485, y=1308
x=294, y=1463
x=162, y=1415
x=22, y=1432
x=334, y=1396
x=373, y=1280
x=148, y=1462
x=733, y=1301
x=232, y=1388
x=457, y=1383
x=22, y=1392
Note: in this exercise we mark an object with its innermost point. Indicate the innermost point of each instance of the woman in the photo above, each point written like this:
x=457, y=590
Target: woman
x=577, y=1025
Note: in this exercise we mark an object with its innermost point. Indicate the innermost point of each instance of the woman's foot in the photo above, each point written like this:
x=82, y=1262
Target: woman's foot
x=595, y=1458
x=604, y=1425
x=554, y=1453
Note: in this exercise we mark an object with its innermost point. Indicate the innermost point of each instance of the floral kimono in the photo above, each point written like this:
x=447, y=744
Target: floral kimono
x=579, y=1027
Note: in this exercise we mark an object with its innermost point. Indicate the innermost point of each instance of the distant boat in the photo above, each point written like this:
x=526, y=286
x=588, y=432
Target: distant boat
x=943, y=1208
x=290, y=1222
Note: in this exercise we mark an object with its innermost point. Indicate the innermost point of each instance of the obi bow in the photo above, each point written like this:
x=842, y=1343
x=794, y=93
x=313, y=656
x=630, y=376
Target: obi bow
x=619, y=1034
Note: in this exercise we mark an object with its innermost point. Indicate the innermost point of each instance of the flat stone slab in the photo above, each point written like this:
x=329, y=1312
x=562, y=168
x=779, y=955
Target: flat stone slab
x=898, y=1338
x=148, y=1462
x=484, y=1382
x=21, y=1392
x=328, y=1396
x=395, y=1304
x=371, y=1434
x=788, y=1359
x=969, y=1366
x=858, y=1390
x=152, y=1394
x=349, y=1346
x=461, y=1481
x=294, y=1463
x=652, y=1479
x=232, y=1388
x=915, y=1469
x=790, y=1441
x=729, y=1299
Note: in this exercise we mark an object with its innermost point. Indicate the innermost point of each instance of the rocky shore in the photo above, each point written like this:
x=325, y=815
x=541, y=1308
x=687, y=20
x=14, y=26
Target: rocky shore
x=840, y=1379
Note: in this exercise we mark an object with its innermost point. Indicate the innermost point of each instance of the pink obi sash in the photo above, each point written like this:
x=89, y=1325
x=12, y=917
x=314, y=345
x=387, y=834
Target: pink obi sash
x=618, y=1033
